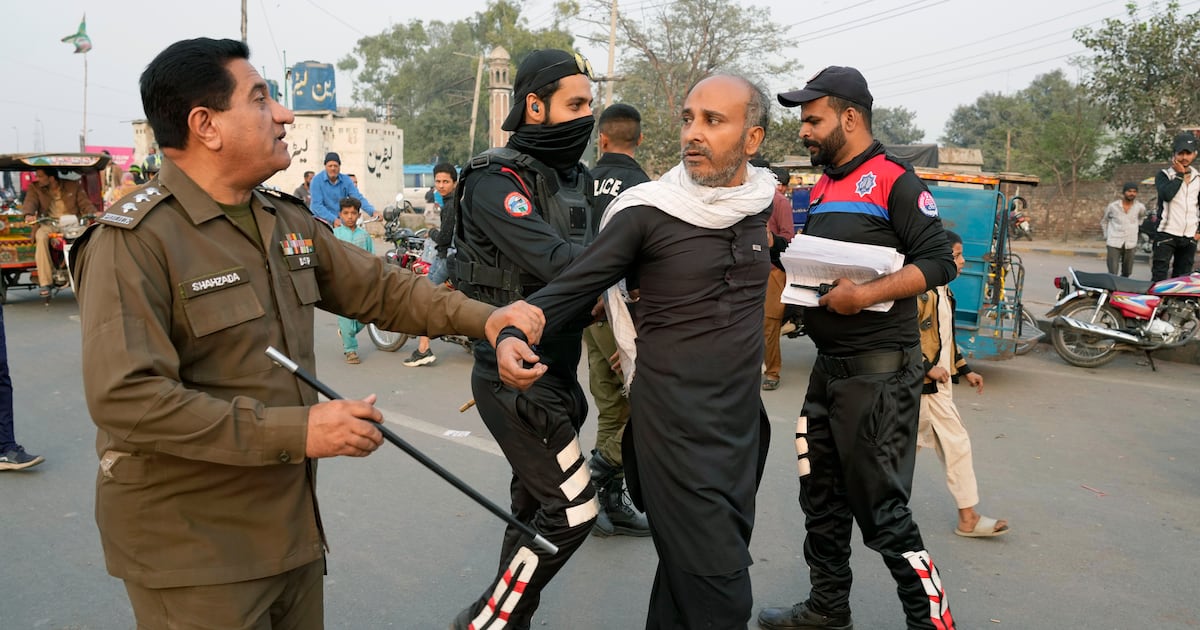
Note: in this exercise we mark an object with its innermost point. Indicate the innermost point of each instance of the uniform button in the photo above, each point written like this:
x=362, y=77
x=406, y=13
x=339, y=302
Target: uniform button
x=284, y=457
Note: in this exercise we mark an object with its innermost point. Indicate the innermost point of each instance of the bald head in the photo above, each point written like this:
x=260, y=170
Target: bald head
x=723, y=124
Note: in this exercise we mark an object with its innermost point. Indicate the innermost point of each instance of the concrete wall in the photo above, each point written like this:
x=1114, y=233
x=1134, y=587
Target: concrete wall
x=374, y=152
x=1073, y=213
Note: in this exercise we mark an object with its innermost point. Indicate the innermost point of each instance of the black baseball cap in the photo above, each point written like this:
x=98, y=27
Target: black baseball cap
x=1185, y=141
x=541, y=68
x=841, y=81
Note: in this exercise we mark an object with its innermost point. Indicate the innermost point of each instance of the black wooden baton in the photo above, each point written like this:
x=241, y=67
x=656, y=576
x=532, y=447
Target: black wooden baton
x=416, y=454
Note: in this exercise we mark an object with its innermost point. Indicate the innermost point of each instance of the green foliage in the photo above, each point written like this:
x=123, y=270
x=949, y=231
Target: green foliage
x=895, y=125
x=986, y=125
x=783, y=135
x=670, y=46
x=1068, y=128
x=1144, y=74
x=421, y=77
x=1051, y=129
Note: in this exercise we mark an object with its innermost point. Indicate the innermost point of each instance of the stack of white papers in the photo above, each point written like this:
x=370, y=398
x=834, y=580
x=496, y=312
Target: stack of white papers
x=812, y=261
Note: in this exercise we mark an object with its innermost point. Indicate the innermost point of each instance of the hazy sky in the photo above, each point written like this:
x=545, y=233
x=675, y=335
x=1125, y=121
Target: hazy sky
x=927, y=55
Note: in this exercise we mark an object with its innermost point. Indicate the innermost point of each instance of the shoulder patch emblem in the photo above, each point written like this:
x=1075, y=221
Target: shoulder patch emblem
x=865, y=184
x=927, y=205
x=517, y=205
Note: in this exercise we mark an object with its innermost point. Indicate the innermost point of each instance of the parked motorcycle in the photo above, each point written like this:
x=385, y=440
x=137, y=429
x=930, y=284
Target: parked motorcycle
x=408, y=251
x=1100, y=314
x=1146, y=232
x=1018, y=223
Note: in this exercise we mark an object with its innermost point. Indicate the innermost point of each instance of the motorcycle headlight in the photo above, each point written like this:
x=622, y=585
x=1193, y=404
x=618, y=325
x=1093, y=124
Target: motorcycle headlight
x=390, y=213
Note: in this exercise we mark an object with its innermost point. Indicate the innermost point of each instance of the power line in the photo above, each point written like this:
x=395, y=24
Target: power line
x=985, y=74
x=856, y=24
x=271, y=33
x=1007, y=52
x=965, y=62
x=976, y=43
x=837, y=11
x=334, y=16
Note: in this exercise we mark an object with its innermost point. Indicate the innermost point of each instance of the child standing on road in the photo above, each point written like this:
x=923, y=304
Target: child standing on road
x=350, y=232
x=941, y=426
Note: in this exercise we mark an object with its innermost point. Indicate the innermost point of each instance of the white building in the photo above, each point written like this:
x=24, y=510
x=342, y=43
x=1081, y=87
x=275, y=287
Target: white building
x=373, y=152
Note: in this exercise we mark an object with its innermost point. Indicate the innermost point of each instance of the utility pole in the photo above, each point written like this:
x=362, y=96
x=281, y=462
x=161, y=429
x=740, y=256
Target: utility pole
x=612, y=53
x=1008, y=152
x=243, y=21
x=475, y=107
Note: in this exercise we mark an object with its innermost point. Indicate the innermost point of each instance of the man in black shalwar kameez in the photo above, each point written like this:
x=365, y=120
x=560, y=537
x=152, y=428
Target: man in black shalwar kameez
x=696, y=242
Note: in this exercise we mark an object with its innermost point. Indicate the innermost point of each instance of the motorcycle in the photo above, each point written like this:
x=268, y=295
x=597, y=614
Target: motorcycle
x=1146, y=231
x=1098, y=315
x=408, y=251
x=1018, y=224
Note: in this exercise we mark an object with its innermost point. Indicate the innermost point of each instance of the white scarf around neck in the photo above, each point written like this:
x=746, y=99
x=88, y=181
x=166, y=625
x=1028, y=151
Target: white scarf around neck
x=702, y=206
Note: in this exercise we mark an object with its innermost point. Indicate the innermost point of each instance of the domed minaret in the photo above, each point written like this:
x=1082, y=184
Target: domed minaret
x=500, y=91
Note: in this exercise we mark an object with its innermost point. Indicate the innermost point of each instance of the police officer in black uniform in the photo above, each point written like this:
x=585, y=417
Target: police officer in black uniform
x=524, y=215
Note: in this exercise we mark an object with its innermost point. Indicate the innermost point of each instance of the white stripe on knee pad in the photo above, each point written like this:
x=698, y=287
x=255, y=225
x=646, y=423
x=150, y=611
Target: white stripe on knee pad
x=580, y=514
x=569, y=455
x=576, y=483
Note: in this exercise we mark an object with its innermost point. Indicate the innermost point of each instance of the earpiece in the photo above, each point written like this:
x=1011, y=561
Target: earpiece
x=534, y=107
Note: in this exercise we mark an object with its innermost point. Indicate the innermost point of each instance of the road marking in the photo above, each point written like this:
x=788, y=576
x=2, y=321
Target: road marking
x=438, y=431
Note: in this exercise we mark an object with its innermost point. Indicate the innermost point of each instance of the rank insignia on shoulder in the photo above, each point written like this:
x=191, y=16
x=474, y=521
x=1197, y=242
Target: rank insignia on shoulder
x=128, y=211
x=515, y=204
x=294, y=244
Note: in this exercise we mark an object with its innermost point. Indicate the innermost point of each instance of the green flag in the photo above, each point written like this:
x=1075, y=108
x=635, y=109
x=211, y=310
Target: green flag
x=80, y=39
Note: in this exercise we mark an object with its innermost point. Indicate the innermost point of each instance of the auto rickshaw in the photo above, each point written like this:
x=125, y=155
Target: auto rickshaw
x=990, y=320
x=18, y=267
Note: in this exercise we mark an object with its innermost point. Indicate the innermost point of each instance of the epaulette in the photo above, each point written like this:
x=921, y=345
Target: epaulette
x=279, y=194
x=129, y=210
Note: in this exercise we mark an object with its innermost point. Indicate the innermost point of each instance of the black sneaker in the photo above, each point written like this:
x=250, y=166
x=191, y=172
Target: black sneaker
x=801, y=616
x=419, y=358
x=18, y=459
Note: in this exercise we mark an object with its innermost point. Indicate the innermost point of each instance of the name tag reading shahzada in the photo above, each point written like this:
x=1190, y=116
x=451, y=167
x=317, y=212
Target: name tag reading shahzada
x=213, y=282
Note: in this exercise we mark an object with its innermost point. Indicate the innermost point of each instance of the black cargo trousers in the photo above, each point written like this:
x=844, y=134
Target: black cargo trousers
x=551, y=488
x=856, y=448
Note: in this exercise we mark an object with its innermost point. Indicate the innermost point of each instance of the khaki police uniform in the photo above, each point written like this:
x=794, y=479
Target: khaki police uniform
x=203, y=477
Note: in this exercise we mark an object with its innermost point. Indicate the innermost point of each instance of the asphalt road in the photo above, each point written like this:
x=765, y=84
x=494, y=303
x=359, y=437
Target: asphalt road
x=1095, y=470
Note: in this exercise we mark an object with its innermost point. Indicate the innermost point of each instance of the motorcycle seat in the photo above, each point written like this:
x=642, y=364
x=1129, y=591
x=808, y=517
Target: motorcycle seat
x=1110, y=282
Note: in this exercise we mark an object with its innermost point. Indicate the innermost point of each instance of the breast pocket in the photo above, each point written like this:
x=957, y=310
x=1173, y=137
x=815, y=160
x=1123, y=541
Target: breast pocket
x=218, y=310
x=751, y=262
x=308, y=292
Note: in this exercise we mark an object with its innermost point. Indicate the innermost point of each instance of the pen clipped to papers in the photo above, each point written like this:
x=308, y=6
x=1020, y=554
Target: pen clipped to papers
x=824, y=288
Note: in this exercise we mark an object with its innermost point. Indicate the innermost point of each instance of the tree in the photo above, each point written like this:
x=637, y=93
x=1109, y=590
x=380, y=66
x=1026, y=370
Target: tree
x=421, y=77
x=783, y=136
x=1144, y=75
x=895, y=125
x=989, y=125
x=1069, y=127
x=1051, y=128
x=670, y=46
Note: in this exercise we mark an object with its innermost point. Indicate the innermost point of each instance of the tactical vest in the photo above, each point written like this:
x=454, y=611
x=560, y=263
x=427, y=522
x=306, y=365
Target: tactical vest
x=480, y=270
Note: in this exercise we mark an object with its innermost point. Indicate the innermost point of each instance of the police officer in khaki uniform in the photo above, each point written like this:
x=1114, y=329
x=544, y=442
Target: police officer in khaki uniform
x=205, y=495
